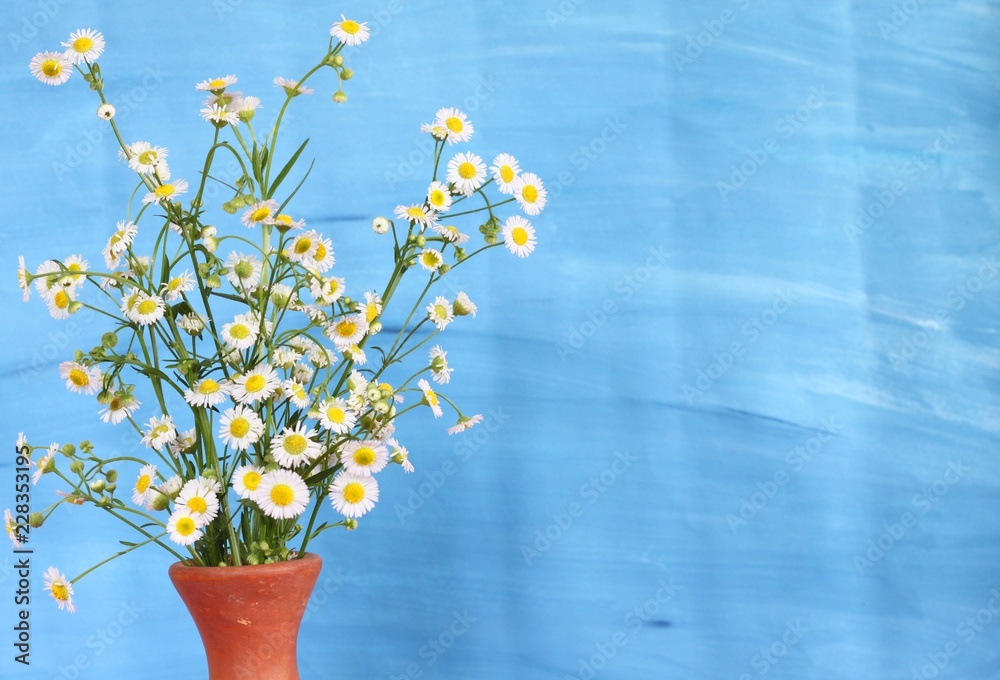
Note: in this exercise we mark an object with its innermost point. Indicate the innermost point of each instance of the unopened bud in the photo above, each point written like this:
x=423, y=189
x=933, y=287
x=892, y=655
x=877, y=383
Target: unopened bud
x=36, y=519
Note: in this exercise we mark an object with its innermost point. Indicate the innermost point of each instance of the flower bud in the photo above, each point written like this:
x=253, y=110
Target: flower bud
x=375, y=327
x=210, y=473
x=460, y=254
x=86, y=446
x=111, y=476
x=346, y=74
x=67, y=450
x=76, y=467
x=336, y=60
x=160, y=502
x=97, y=486
x=104, y=502
x=36, y=520
x=340, y=96
x=110, y=488
x=350, y=524
x=213, y=281
x=229, y=208
x=444, y=269
x=109, y=340
x=421, y=241
x=381, y=225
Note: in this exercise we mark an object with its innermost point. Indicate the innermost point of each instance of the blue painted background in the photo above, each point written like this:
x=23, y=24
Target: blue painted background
x=766, y=285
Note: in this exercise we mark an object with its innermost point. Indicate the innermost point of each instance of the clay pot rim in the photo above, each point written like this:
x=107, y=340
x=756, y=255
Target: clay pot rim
x=307, y=561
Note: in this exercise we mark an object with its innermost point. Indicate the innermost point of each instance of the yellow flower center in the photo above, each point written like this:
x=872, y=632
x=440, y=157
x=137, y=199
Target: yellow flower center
x=175, y=283
x=239, y=331
x=437, y=198
x=164, y=190
x=251, y=480
x=507, y=174
x=519, y=236
x=431, y=398
x=529, y=193
x=216, y=84
x=283, y=219
x=415, y=212
x=364, y=456
x=346, y=329
x=371, y=313
x=282, y=494
x=454, y=123
x=147, y=307
x=79, y=378
x=239, y=427
x=61, y=299
x=430, y=260
x=303, y=246
x=350, y=27
x=60, y=591
x=261, y=213
x=298, y=391
x=320, y=252
x=440, y=311
x=295, y=444
x=466, y=170
x=159, y=431
x=197, y=504
x=185, y=526
x=208, y=386
x=83, y=44
x=148, y=156
x=354, y=493
x=143, y=483
x=335, y=415
x=51, y=68
x=255, y=383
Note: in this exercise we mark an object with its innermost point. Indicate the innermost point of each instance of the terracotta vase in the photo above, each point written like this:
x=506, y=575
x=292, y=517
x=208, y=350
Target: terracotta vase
x=249, y=617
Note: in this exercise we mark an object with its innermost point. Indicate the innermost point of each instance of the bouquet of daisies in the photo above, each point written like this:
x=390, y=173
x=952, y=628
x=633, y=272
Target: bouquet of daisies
x=268, y=395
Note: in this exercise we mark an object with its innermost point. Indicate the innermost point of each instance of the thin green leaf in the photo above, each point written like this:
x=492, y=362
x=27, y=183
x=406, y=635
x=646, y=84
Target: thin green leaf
x=285, y=170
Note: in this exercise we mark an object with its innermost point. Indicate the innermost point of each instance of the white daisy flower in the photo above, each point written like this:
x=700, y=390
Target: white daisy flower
x=79, y=378
x=171, y=487
x=246, y=480
x=121, y=406
x=530, y=193
x=245, y=107
x=52, y=68
x=380, y=225
x=430, y=259
x=440, y=372
x=372, y=307
x=466, y=172
x=199, y=497
x=46, y=463
x=353, y=495
x=296, y=393
x=143, y=157
x=505, y=171
x=451, y=233
x=255, y=385
x=458, y=127
x=400, y=455
x=175, y=288
x=348, y=331
x=159, y=432
x=205, y=392
x=519, y=236
x=244, y=270
x=106, y=112
x=350, y=32
x=282, y=295
x=431, y=398
x=216, y=84
x=166, y=192
x=285, y=357
x=119, y=243
x=322, y=256
x=282, y=494
x=219, y=115
x=417, y=214
x=335, y=416
x=302, y=247
x=439, y=197
x=241, y=333
x=22, y=279
x=364, y=458
x=84, y=45
x=59, y=304
x=295, y=446
x=183, y=527
x=328, y=290
x=464, y=306
x=355, y=354
x=162, y=171
x=59, y=588
x=70, y=279
x=464, y=423
x=286, y=222
x=436, y=130
x=191, y=323
x=142, y=491
x=291, y=87
x=440, y=312
x=12, y=528
x=240, y=428
x=146, y=309
x=320, y=356
x=259, y=213
x=185, y=442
